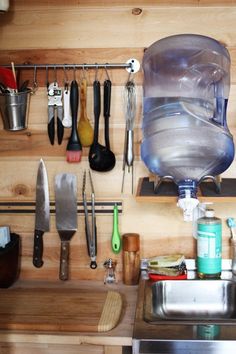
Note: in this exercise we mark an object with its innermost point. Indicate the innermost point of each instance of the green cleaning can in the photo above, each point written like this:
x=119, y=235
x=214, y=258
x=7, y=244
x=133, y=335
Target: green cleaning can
x=209, y=246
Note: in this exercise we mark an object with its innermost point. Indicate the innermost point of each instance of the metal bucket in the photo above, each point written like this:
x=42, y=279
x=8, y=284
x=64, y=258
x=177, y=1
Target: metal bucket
x=14, y=109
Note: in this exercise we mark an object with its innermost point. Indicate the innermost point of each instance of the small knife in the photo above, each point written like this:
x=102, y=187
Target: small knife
x=42, y=214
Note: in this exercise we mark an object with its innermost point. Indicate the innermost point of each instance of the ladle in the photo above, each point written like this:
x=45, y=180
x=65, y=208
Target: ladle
x=101, y=158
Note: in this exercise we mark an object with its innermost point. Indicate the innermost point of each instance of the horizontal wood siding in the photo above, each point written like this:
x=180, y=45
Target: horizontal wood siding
x=88, y=32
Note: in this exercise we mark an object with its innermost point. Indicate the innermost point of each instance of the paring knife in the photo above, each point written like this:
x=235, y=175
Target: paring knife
x=42, y=213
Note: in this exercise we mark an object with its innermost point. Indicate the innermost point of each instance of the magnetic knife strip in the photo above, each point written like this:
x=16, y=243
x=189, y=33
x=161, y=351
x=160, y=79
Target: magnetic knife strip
x=101, y=207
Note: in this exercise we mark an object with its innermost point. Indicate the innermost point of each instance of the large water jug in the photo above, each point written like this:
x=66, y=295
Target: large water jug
x=185, y=133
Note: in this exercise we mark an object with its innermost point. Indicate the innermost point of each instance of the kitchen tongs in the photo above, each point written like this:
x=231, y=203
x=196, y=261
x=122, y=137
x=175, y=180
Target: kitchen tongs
x=91, y=235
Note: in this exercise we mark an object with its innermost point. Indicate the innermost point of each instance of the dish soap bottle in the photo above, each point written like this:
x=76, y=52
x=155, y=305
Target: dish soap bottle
x=209, y=246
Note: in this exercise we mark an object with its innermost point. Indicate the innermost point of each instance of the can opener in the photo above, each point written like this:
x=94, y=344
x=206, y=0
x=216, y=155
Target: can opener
x=55, y=107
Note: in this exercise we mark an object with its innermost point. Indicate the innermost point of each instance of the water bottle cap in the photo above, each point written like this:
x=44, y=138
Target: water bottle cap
x=188, y=204
x=210, y=213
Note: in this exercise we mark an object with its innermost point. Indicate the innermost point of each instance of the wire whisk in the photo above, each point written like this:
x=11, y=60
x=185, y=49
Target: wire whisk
x=130, y=103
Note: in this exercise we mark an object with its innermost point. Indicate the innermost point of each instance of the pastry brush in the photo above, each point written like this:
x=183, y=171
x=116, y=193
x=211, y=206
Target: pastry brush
x=74, y=147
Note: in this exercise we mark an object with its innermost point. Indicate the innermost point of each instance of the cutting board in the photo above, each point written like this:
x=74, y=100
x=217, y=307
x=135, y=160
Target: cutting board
x=59, y=310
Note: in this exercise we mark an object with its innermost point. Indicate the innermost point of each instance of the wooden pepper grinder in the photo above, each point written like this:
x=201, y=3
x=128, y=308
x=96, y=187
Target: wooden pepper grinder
x=131, y=258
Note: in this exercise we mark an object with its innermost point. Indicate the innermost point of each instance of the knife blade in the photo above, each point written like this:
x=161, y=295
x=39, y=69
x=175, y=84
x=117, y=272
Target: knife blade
x=42, y=213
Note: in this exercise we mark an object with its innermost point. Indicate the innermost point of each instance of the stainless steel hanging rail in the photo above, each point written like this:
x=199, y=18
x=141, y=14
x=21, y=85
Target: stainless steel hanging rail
x=85, y=66
x=132, y=65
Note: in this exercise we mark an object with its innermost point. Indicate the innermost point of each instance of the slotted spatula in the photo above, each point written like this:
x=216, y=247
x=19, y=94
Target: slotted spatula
x=66, y=216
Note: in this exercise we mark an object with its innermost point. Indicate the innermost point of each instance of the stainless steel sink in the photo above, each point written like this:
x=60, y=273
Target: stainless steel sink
x=186, y=317
x=191, y=300
x=194, y=299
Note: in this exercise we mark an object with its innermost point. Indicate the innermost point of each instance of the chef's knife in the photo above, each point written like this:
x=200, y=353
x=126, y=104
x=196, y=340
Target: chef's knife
x=42, y=213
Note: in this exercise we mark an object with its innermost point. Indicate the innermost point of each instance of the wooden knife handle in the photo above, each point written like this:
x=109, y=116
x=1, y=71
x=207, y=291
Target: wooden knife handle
x=64, y=260
x=38, y=248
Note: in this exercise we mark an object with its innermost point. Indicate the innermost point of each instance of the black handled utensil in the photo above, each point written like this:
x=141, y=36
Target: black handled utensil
x=101, y=159
x=55, y=109
x=106, y=110
x=42, y=214
x=74, y=147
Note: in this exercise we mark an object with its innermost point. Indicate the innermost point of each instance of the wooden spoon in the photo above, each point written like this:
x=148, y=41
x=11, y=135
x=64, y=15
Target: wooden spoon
x=84, y=127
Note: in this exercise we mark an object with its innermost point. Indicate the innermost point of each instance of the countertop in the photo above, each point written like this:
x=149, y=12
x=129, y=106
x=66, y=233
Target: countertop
x=121, y=335
x=130, y=329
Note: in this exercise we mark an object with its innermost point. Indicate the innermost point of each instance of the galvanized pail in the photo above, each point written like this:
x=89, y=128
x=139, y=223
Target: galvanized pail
x=14, y=109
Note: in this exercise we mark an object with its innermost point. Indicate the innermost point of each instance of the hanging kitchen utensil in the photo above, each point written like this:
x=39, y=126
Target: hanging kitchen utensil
x=101, y=159
x=55, y=108
x=106, y=111
x=35, y=82
x=85, y=129
x=130, y=112
x=66, y=216
x=115, y=239
x=42, y=214
x=67, y=119
x=91, y=236
x=74, y=147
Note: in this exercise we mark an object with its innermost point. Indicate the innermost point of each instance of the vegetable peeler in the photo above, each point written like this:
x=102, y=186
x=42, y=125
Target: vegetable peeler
x=91, y=235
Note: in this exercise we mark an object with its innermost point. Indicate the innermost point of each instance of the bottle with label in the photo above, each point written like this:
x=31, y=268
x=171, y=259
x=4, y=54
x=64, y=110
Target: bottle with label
x=209, y=246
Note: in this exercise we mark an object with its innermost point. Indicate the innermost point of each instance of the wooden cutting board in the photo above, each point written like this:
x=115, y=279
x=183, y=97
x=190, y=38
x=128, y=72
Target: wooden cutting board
x=59, y=310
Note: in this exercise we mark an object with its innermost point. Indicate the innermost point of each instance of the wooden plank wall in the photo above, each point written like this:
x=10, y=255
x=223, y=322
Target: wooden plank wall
x=88, y=32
